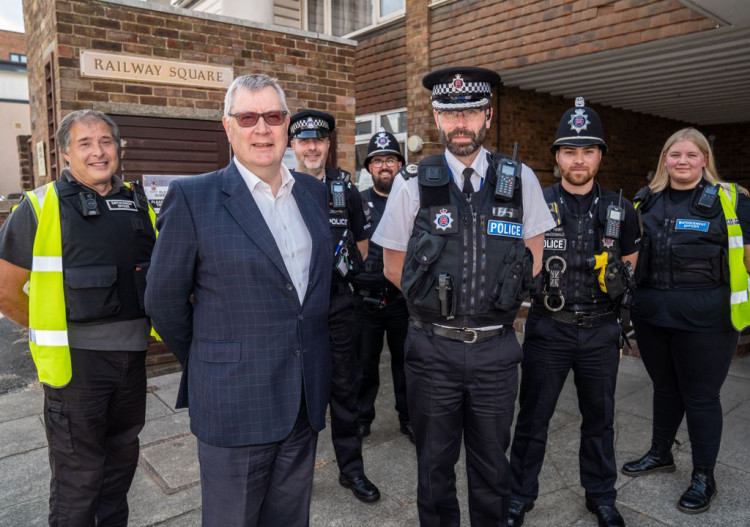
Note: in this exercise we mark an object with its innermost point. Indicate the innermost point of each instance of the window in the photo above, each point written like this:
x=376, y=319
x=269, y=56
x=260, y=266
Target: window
x=393, y=121
x=17, y=57
x=341, y=17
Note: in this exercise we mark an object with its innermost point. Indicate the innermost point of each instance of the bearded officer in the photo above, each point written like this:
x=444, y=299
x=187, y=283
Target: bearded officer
x=348, y=217
x=573, y=322
x=380, y=306
x=460, y=246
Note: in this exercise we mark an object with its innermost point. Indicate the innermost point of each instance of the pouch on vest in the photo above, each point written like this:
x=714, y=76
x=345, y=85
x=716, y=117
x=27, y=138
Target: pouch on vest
x=698, y=265
x=91, y=292
x=139, y=277
x=421, y=287
x=514, y=279
x=641, y=268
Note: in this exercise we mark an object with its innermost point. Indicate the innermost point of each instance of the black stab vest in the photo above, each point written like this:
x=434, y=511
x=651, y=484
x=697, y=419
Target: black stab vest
x=101, y=255
x=577, y=238
x=684, y=246
x=372, y=275
x=478, y=243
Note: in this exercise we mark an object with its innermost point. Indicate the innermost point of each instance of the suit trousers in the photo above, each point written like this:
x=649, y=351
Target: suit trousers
x=688, y=369
x=260, y=485
x=344, y=387
x=551, y=349
x=92, y=427
x=456, y=390
x=373, y=324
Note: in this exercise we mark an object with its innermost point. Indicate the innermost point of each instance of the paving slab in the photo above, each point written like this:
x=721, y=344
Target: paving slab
x=22, y=403
x=22, y=435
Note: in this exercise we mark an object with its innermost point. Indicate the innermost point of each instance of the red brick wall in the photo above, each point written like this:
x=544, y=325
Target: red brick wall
x=513, y=34
x=381, y=71
x=314, y=73
x=11, y=42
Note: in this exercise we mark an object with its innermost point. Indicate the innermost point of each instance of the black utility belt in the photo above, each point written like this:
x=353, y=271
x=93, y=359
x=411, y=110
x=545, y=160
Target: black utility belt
x=466, y=335
x=388, y=294
x=581, y=319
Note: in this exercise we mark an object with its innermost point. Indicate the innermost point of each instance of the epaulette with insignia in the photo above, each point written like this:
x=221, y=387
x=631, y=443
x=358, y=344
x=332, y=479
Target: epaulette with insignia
x=409, y=171
x=641, y=196
x=345, y=176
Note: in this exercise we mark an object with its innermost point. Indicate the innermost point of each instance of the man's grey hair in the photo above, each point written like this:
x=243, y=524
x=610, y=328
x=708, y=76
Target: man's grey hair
x=63, y=131
x=253, y=83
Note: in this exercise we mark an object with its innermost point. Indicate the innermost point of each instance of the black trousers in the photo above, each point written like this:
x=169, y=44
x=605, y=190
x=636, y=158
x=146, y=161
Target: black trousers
x=344, y=387
x=688, y=369
x=551, y=350
x=391, y=322
x=460, y=390
x=258, y=485
x=92, y=428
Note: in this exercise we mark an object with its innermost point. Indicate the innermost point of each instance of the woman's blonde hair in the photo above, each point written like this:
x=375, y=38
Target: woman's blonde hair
x=710, y=174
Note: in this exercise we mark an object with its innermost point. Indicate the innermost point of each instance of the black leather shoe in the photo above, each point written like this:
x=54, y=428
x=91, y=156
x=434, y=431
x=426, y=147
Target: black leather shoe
x=658, y=459
x=363, y=430
x=606, y=515
x=408, y=429
x=697, y=498
x=362, y=488
x=516, y=511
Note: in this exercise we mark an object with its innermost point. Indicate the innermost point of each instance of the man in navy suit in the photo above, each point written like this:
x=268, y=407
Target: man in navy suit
x=250, y=243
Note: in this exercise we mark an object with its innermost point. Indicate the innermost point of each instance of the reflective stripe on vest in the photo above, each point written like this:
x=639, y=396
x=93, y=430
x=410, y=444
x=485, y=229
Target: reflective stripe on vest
x=48, y=329
x=739, y=281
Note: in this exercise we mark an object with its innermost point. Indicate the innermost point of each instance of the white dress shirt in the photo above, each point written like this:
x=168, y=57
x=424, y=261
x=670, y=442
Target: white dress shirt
x=286, y=224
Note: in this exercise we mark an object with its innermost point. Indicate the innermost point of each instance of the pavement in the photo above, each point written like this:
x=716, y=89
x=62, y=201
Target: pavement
x=166, y=489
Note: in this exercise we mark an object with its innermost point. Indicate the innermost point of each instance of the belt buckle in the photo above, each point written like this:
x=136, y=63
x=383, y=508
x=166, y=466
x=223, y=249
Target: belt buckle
x=473, y=334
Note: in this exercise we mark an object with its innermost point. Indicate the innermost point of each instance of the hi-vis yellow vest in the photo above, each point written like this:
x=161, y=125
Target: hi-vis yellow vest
x=48, y=328
x=739, y=281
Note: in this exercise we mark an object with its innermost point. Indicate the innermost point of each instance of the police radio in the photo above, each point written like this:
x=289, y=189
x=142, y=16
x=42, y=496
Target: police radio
x=506, y=176
x=614, y=219
x=338, y=195
x=139, y=196
x=708, y=197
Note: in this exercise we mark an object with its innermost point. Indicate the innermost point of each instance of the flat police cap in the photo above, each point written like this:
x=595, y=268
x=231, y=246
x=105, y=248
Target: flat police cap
x=309, y=124
x=580, y=126
x=382, y=144
x=460, y=87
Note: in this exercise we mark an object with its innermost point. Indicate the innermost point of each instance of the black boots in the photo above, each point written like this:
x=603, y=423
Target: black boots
x=659, y=458
x=697, y=498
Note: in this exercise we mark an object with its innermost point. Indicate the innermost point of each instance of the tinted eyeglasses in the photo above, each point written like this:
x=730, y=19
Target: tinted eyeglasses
x=248, y=119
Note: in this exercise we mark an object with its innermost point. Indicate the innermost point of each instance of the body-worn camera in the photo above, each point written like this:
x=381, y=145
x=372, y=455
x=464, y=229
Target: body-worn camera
x=89, y=205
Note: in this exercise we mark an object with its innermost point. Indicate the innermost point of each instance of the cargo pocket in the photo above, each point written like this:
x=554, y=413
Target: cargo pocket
x=58, y=429
x=696, y=265
x=513, y=279
x=418, y=284
x=91, y=292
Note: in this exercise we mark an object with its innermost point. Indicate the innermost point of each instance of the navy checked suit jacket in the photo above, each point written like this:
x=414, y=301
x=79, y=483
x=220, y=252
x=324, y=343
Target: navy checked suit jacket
x=245, y=343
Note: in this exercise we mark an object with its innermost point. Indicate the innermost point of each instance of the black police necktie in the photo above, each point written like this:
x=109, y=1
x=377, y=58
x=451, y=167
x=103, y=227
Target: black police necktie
x=468, y=187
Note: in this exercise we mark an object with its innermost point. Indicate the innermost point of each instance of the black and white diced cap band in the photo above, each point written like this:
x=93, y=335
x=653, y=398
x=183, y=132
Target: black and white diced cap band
x=311, y=123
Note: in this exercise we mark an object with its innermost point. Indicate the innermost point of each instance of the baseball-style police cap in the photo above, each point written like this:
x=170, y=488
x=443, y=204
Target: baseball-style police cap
x=460, y=87
x=310, y=124
x=383, y=144
x=580, y=126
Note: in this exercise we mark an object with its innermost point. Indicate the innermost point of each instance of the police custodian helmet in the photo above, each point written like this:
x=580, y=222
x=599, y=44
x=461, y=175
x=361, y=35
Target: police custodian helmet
x=580, y=126
x=311, y=124
x=460, y=87
x=383, y=144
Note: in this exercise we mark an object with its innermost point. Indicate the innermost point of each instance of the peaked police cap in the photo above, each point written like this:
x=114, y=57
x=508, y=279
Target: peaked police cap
x=460, y=87
x=309, y=124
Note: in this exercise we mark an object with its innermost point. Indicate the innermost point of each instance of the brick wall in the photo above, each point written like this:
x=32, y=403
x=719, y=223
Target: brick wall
x=381, y=71
x=11, y=42
x=24, y=161
x=512, y=34
x=314, y=73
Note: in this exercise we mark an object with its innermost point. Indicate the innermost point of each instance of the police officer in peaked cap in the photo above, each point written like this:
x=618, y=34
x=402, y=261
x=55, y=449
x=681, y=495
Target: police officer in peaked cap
x=349, y=220
x=380, y=306
x=574, y=321
x=458, y=232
